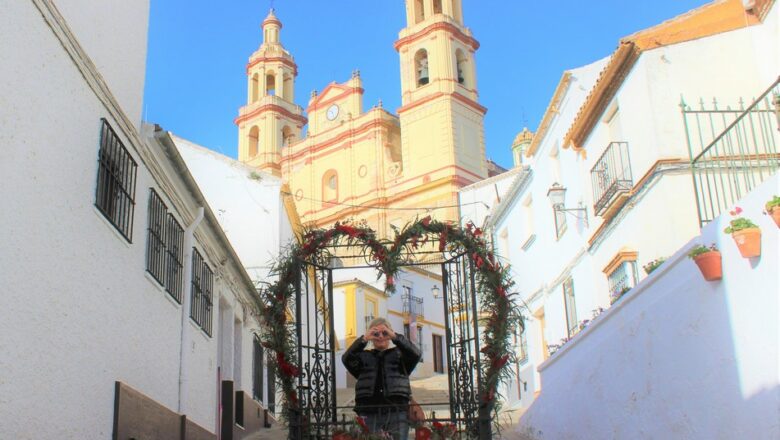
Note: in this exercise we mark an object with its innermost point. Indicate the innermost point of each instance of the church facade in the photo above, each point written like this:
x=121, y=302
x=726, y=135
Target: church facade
x=372, y=164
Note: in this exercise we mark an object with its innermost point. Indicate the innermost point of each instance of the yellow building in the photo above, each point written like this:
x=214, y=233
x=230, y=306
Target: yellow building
x=353, y=163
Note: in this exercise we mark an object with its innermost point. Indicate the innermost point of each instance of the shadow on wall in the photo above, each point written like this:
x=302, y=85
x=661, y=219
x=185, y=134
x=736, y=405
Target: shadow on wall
x=677, y=357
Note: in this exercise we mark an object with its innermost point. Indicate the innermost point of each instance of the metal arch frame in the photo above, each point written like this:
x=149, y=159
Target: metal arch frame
x=318, y=413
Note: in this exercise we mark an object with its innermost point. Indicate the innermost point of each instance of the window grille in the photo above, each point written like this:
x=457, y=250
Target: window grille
x=164, y=247
x=155, y=243
x=174, y=249
x=624, y=277
x=522, y=342
x=202, y=287
x=571, y=309
x=257, y=370
x=115, y=192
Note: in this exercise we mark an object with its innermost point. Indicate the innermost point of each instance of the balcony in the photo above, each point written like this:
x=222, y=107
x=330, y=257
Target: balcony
x=413, y=305
x=611, y=179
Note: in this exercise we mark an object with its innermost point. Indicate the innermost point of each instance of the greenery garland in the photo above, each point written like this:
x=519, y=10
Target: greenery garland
x=499, y=312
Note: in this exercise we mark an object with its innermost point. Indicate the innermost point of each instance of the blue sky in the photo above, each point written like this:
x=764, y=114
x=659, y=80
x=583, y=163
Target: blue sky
x=198, y=49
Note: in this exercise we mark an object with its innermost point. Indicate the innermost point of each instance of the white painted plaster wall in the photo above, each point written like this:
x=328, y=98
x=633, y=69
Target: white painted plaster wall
x=677, y=357
x=78, y=311
x=114, y=35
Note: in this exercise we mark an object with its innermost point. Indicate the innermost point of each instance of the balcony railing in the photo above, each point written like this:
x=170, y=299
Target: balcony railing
x=611, y=177
x=413, y=305
x=732, y=150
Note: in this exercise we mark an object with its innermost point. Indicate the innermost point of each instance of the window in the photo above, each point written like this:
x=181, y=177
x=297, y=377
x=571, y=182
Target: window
x=419, y=11
x=420, y=342
x=421, y=67
x=155, y=242
x=521, y=342
x=174, y=249
x=572, y=324
x=461, y=63
x=330, y=187
x=115, y=192
x=164, y=247
x=254, y=141
x=270, y=83
x=202, y=288
x=437, y=7
x=622, y=273
x=271, y=380
x=257, y=370
x=438, y=354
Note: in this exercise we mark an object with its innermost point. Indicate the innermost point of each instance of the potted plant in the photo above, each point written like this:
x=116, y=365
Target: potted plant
x=773, y=209
x=746, y=234
x=653, y=265
x=709, y=261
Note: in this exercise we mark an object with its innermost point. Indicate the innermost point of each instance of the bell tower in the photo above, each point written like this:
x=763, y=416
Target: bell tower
x=441, y=120
x=270, y=121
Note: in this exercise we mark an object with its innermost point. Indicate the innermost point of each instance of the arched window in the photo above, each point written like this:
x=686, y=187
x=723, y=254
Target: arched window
x=421, y=67
x=254, y=140
x=270, y=83
x=462, y=66
x=287, y=136
x=255, y=86
x=419, y=11
x=437, y=7
x=330, y=187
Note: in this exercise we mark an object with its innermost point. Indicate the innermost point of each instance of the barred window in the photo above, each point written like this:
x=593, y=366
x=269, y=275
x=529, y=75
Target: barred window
x=202, y=287
x=257, y=370
x=155, y=243
x=115, y=191
x=174, y=241
x=164, y=247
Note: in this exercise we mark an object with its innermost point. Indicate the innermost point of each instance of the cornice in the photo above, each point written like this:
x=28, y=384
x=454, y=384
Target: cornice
x=440, y=26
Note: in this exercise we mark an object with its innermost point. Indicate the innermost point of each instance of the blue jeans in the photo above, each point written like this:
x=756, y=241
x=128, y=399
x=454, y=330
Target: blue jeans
x=396, y=423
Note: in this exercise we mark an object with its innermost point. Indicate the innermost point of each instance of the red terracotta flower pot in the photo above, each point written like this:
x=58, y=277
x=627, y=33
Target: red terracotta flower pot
x=775, y=213
x=748, y=241
x=710, y=265
x=342, y=436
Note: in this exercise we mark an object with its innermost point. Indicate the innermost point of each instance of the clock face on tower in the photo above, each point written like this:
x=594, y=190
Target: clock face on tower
x=333, y=112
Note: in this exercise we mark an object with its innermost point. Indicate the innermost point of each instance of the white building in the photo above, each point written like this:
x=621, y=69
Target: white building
x=615, y=139
x=125, y=308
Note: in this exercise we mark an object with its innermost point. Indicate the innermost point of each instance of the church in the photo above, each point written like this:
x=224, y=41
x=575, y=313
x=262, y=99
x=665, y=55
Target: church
x=341, y=160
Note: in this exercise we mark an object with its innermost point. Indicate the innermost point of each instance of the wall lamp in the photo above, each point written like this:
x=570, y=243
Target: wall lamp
x=435, y=291
x=557, y=196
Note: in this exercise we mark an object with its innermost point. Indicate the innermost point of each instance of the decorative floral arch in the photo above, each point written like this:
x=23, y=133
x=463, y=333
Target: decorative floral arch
x=497, y=305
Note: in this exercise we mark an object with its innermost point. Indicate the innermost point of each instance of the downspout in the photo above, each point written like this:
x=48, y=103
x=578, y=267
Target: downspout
x=189, y=239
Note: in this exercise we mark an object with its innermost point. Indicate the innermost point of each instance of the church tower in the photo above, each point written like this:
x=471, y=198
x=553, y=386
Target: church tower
x=441, y=120
x=270, y=121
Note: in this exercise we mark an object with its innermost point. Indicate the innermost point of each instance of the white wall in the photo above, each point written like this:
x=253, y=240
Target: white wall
x=677, y=357
x=114, y=35
x=78, y=310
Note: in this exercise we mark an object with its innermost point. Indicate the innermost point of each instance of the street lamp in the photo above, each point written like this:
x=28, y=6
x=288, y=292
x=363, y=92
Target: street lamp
x=435, y=291
x=557, y=196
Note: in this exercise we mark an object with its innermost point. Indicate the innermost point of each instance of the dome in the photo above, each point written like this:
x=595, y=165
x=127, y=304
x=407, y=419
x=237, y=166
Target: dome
x=524, y=136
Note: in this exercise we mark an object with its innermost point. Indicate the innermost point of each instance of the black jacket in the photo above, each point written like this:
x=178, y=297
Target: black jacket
x=399, y=362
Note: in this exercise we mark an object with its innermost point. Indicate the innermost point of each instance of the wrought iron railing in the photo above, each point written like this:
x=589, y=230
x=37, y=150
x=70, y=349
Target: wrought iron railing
x=731, y=150
x=611, y=176
x=413, y=305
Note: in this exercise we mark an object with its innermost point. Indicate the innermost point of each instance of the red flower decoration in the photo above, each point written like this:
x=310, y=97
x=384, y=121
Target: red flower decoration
x=360, y=421
x=426, y=221
x=422, y=433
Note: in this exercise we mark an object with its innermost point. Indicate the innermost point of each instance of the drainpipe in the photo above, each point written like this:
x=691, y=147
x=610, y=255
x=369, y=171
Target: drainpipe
x=189, y=239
